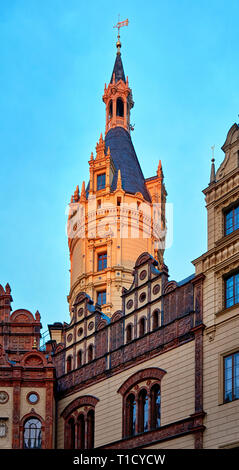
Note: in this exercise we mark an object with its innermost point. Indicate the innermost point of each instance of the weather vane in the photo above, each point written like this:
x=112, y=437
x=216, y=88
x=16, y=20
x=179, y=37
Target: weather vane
x=119, y=25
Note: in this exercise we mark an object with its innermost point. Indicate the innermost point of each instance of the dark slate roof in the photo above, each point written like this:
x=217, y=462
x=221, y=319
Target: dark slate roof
x=187, y=279
x=125, y=159
x=118, y=70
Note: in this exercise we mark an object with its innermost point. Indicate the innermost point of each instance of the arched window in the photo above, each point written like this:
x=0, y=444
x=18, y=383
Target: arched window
x=32, y=434
x=131, y=415
x=90, y=353
x=155, y=406
x=142, y=327
x=120, y=107
x=79, y=418
x=143, y=411
x=90, y=429
x=155, y=319
x=128, y=333
x=81, y=432
x=141, y=401
x=79, y=358
x=110, y=109
x=69, y=364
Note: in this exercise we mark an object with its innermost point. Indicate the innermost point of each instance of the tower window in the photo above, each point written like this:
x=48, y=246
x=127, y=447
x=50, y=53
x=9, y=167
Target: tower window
x=100, y=181
x=101, y=297
x=232, y=290
x=102, y=261
x=120, y=108
x=232, y=220
x=110, y=109
x=231, y=377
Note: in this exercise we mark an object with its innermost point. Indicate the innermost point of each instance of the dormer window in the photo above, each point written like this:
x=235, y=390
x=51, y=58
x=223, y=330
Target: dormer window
x=100, y=181
x=232, y=220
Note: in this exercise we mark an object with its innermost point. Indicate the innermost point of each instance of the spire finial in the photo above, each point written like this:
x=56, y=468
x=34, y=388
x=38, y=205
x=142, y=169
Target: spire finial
x=119, y=181
x=213, y=174
x=119, y=25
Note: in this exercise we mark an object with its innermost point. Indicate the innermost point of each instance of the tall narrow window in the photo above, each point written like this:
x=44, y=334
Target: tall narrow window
x=102, y=261
x=90, y=429
x=119, y=107
x=81, y=432
x=142, y=327
x=71, y=424
x=131, y=415
x=155, y=319
x=128, y=333
x=69, y=364
x=90, y=353
x=143, y=411
x=232, y=290
x=101, y=297
x=232, y=220
x=100, y=181
x=110, y=109
x=231, y=377
x=32, y=434
x=155, y=406
x=79, y=358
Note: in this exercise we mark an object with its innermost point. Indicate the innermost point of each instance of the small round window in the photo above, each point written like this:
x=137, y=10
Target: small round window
x=33, y=398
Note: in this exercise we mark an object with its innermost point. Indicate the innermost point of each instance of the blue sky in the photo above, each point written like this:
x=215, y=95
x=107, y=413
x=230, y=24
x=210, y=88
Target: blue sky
x=181, y=57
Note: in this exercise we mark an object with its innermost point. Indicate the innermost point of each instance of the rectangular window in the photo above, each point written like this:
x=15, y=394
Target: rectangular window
x=101, y=297
x=232, y=220
x=101, y=181
x=231, y=377
x=102, y=261
x=232, y=290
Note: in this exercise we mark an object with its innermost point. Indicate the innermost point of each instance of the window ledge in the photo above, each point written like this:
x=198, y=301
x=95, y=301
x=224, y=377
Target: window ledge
x=227, y=310
x=225, y=238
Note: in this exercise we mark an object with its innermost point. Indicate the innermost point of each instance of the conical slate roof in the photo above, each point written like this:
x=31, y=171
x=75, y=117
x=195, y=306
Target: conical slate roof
x=125, y=159
x=118, y=70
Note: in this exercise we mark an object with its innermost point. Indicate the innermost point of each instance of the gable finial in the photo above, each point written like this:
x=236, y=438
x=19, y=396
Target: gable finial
x=213, y=174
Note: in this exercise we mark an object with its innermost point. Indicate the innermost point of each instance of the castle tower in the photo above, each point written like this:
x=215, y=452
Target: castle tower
x=119, y=214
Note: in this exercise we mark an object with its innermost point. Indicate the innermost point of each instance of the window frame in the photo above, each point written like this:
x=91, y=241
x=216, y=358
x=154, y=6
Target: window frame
x=102, y=258
x=228, y=211
x=101, y=292
x=232, y=354
x=30, y=418
x=99, y=184
x=226, y=278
